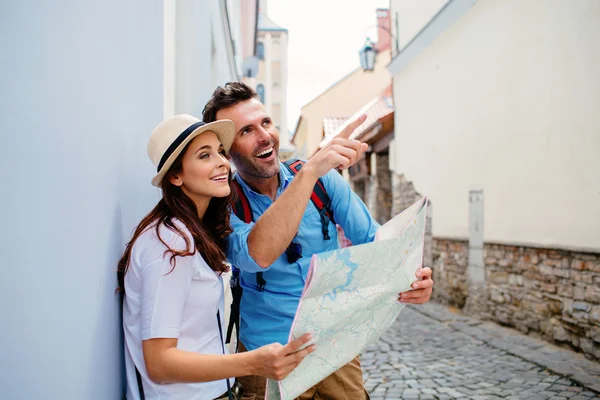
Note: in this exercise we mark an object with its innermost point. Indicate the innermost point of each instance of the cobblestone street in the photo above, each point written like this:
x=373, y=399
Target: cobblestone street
x=432, y=353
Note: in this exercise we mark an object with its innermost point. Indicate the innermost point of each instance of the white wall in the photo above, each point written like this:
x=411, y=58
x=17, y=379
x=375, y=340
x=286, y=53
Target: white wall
x=202, y=54
x=81, y=91
x=83, y=84
x=411, y=17
x=284, y=131
x=508, y=99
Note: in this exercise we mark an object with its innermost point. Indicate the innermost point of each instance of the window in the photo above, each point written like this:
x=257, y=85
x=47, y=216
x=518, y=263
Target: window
x=260, y=89
x=260, y=50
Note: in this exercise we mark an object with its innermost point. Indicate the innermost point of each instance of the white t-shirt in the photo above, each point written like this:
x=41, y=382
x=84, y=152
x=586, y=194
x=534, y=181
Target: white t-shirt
x=160, y=303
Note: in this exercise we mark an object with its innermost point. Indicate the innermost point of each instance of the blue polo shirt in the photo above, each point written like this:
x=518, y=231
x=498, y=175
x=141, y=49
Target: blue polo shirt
x=267, y=316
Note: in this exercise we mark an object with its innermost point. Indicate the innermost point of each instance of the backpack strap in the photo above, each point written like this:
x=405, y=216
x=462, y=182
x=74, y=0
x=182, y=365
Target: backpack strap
x=234, y=315
x=241, y=208
x=229, y=393
x=319, y=197
x=240, y=204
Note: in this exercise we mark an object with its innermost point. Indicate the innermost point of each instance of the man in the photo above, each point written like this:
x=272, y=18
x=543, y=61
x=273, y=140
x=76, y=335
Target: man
x=285, y=222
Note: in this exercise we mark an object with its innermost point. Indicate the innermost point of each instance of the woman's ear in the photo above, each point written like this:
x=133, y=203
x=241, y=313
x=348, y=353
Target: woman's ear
x=176, y=180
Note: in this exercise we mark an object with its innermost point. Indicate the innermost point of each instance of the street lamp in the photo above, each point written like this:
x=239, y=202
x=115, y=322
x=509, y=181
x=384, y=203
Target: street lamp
x=367, y=55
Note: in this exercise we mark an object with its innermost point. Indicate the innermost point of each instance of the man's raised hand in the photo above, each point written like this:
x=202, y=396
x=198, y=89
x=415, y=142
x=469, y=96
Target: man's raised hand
x=341, y=151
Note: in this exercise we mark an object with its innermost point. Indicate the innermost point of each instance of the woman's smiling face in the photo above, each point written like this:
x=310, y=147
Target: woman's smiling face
x=205, y=169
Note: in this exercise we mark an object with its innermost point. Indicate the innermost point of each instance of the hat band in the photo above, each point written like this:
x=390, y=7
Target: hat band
x=180, y=139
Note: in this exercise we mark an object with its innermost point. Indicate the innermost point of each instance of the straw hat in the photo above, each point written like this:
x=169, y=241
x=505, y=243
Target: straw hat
x=171, y=136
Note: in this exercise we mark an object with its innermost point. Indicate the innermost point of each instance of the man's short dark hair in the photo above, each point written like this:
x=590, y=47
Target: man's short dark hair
x=227, y=96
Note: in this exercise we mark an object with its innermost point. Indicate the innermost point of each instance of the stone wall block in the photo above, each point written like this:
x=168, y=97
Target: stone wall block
x=573, y=325
x=496, y=296
x=593, y=266
x=503, y=317
x=561, y=273
x=589, y=347
x=592, y=294
x=565, y=290
x=499, y=278
x=578, y=265
x=556, y=254
x=583, y=276
x=580, y=306
x=546, y=270
x=516, y=280
x=555, y=303
x=530, y=258
x=551, y=262
x=595, y=315
x=490, y=260
x=532, y=278
x=579, y=293
x=541, y=309
x=560, y=334
x=548, y=288
x=520, y=280
x=503, y=262
x=594, y=334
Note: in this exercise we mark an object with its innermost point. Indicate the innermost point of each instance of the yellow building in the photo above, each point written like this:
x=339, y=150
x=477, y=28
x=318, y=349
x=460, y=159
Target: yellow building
x=342, y=99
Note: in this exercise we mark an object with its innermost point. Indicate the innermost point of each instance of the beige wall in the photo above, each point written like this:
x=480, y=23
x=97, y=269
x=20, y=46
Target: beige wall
x=276, y=113
x=248, y=24
x=276, y=97
x=276, y=48
x=412, y=15
x=342, y=100
x=301, y=139
x=508, y=99
x=260, y=77
x=276, y=72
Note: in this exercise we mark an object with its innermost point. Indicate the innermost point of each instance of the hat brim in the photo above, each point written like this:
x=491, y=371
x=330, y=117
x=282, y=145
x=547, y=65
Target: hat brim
x=224, y=130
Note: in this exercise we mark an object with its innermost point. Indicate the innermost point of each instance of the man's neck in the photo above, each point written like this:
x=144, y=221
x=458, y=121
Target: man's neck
x=266, y=186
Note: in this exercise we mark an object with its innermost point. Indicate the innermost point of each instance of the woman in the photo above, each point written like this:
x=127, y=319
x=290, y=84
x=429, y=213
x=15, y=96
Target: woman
x=170, y=274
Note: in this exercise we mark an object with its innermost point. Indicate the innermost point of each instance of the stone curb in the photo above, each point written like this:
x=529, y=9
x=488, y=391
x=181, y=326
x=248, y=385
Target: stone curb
x=563, y=362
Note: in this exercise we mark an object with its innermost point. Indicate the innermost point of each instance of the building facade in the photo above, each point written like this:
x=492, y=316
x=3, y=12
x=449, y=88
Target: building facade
x=86, y=84
x=344, y=97
x=499, y=127
x=271, y=81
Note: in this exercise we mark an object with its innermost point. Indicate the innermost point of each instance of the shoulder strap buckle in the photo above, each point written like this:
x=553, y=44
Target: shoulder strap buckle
x=260, y=281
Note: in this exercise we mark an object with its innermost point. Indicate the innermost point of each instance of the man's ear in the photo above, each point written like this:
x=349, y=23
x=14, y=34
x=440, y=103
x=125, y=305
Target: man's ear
x=176, y=180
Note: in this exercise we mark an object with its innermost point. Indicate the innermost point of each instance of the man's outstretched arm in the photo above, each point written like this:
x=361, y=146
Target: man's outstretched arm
x=276, y=228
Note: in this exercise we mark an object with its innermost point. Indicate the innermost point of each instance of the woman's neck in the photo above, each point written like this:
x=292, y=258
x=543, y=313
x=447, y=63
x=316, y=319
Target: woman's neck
x=201, y=203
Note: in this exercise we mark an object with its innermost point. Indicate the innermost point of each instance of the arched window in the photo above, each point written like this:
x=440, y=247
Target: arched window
x=260, y=50
x=260, y=89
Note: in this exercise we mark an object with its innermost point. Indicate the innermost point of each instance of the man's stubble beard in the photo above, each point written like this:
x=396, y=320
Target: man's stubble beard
x=254, y=170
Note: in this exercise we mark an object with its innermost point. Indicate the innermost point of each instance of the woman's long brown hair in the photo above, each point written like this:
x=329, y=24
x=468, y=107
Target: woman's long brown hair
x=209, y=234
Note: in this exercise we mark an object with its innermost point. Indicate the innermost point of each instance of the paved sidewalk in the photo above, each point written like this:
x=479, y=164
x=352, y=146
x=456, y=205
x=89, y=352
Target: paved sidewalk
x=433, y=353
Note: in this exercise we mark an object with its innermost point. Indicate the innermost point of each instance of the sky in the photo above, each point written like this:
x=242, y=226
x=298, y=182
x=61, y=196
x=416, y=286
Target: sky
x=324, y=39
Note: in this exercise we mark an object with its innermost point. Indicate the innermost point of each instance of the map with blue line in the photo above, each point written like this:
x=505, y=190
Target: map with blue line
x=351, y=298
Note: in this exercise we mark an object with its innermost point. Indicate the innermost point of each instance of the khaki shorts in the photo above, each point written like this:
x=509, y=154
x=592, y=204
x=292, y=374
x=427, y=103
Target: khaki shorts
x=344, y=384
